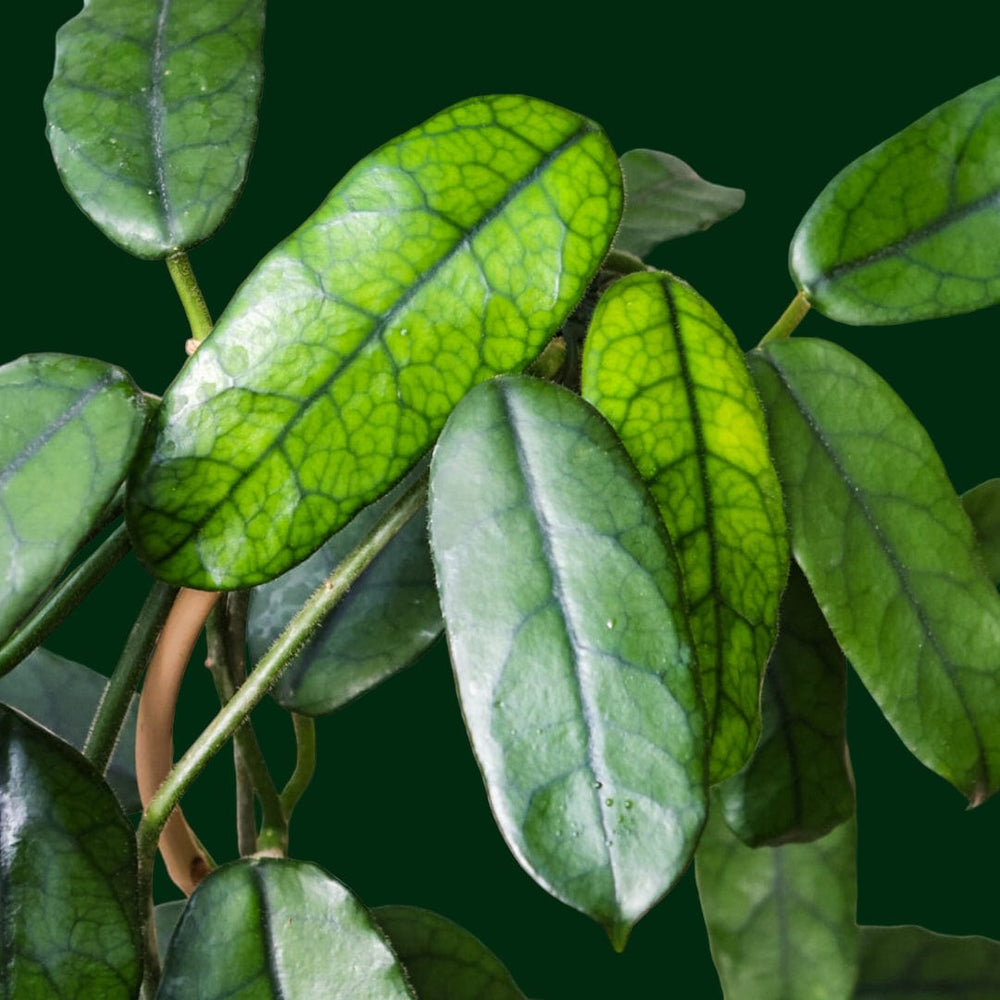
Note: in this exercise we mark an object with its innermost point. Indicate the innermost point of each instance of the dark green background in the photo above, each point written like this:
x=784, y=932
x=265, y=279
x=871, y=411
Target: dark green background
x=774, y=104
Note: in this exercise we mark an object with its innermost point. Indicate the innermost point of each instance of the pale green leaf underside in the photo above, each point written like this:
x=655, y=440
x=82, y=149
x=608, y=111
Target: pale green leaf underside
x=911, y=229
x=982, y=504
x=67, y=421
x=575, y=672
x=451, y=254
x=270, y=929
x=666, y=371
x=152, y=112
x=890, y=555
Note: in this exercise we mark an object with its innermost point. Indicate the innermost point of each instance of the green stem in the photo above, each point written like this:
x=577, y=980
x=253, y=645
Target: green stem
x=198, y=316
x=788, y=320
x=305, y=763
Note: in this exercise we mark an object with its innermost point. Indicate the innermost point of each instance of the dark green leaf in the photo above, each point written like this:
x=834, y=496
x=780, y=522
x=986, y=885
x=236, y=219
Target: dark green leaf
x=982, y=504
x=152, y=112
x=666, y=371
x=910, y=230
x=889, y=554
x=798, y=784
x=269, y=929
x=665, y=198
x=67, y=421
x=450, y=254
x=444, y=961
x=564, y=617
x=69, y=918
x=166, y=916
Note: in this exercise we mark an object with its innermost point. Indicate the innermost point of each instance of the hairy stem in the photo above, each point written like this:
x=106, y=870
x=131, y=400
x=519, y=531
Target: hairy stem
x=788, y=320
x=198, y=316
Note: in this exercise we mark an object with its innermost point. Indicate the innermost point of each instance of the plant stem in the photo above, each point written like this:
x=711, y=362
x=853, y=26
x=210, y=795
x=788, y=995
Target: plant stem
x=305, y=763
x=788, y=320
x=198, y=316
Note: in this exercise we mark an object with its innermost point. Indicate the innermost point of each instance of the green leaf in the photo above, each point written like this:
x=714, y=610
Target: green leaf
x=64, y=420
x=780, y=919
x=563, y=611
x=911, y=229
x=982, y=504
x=69, y=916
x=452, y=253
x=667, y=373
x=889, y=554
x=911, y=963
x=665, y=199
x=166, y=916
x=269, y=928
x=63, y=697
x=152, y=113
x=798, y=784
x=444, y=961
x=387, y=619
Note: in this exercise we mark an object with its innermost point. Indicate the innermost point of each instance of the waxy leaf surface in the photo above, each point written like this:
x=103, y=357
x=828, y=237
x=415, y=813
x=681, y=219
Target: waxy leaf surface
x=444, y=961
x=781, y=920
x=269, y=929
x=667, y=373
x=166, y=916
x=575, y=671
x=69, y=919
x=911, y=229
x=797, y=785
x=982, y=504
x=451, y=254
x=890, y=555
x=68, y=430
x=152, y=113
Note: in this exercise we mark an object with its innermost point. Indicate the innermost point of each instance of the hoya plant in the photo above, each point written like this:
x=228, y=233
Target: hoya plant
x=457, y=399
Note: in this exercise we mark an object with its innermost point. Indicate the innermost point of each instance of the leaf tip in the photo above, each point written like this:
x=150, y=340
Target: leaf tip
x=618, y=932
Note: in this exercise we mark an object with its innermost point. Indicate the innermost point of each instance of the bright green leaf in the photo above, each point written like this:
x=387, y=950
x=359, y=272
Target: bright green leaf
x=268, y=929
x=982, y=504
x=798, y=784
x=667, y=373
x=452, y=253
x=890, y=555
x=64, y=420
x=152, y=112
x=69, y=917
x=564, y=617
x=665, y=199
x=166, y=916
x=911, y=229
x=444, y=961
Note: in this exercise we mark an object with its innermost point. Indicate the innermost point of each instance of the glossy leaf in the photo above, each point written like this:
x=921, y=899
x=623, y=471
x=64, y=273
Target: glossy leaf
x=780, y=919
x=63, y=696
x=166, y=916
x=64, y=420
x=911, y=963
x=387, y=619
x=152, y=113
x=450, y=254
x=69, y=918
x=665, y=199
x=911, y=229
x=797, y=786
x=268, y=928
x=444, y=961
x=563, y=611
x=982, y=504
x=667, y=373
x=889, y=554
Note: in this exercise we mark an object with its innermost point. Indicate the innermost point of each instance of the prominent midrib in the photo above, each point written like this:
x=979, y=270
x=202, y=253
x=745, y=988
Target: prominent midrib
x=271, y=956
x=157, y=115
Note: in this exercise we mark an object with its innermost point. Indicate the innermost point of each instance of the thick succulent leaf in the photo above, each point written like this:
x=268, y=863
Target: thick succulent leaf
x=63, y=696
x=665, y=199
x=69, y=917
x=152, y=112
x=667, y=373
x=780, y=919
x=911, y=963
x=450, y=254
x=890, y=555
x=65, y=420
x=387, y=619
x=444, y=961
x=576, y=675
x=166, y=917
x=982, y=504
x=267, y=929
x=911, y=229
x=798, y=784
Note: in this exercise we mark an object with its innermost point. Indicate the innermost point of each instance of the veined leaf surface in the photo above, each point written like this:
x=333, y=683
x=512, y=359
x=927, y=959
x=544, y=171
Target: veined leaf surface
x=911, y=229
x=575, y=671
x=982, y=504
x=890, y=555
x=666, y=371
x=452, y=253
x=152, y=113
